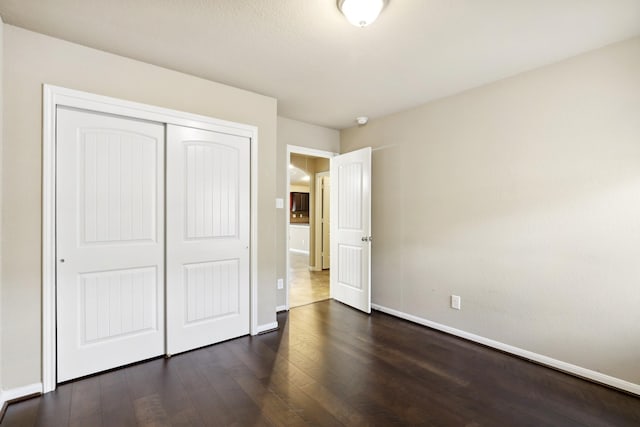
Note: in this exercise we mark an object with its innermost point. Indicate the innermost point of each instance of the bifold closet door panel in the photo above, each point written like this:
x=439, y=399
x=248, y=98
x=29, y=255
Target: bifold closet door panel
x=208, y=213
x=110, y=241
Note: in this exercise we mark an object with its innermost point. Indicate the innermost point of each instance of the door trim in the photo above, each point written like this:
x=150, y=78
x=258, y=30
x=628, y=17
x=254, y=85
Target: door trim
x=54, y=96
x=318, y=214
x=307, y=152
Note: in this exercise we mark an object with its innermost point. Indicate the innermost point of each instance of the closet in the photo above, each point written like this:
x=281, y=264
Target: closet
x=152, y=239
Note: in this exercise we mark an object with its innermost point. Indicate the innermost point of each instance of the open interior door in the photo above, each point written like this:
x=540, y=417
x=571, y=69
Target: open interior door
x=351, y=229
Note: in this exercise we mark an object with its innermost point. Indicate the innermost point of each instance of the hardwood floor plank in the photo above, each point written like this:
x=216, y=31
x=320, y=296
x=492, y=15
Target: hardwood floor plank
x=287, y=373
x=282, y=378
x=89, y=420
x=85, y=401
x=308, y=408
x=175, y=399
x=329, y=365
x=272, y=406
x=205, y=399
x=145, y=379
x=22, y=414
x=55, y=406
x=117, y=406
x=240, y=406
x=149, y=411
x=403, y=403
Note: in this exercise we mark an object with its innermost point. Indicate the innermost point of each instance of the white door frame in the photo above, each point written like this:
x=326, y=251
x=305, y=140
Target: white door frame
x=296, y=149
x=319, y=213
x=54, y=96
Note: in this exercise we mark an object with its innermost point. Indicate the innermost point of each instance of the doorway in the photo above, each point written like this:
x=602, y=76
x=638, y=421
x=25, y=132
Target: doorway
x=308, y=221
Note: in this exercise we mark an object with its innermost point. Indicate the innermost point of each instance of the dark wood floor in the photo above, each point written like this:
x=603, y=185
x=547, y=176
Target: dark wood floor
x=330, y=365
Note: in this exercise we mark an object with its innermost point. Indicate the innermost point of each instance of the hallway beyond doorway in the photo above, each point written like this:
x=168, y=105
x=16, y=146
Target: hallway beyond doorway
x=306, y=287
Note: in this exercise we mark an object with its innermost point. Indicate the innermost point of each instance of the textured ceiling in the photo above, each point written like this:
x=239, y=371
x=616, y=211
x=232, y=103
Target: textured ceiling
x=323, y=70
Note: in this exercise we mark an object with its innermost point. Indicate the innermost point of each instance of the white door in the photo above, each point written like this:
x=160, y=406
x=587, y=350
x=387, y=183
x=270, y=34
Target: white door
x=110, y=242
x=207, y=237
x=351, y=229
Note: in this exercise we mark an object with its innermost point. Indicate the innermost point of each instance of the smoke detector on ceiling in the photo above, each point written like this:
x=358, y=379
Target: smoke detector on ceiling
x=362, y=120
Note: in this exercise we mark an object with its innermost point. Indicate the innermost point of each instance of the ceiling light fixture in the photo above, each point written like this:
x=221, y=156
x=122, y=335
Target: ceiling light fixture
x=361, y=12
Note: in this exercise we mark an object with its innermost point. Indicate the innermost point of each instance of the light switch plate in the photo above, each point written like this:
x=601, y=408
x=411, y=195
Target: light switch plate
x=279, y=203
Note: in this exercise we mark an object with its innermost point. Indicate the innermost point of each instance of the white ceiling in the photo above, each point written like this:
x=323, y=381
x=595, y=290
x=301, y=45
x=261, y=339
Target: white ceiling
x=297, y=176
x=322, y=69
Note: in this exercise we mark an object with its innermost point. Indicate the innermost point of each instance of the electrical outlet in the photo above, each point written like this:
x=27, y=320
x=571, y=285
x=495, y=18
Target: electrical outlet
x=455, y=302
x=280, y=284
x=279, y=203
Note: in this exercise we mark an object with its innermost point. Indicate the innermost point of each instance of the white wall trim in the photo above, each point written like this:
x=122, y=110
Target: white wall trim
x=299, y=251
x=297, y=149
x=54, y=96
x=19, y=392
x=253, y=256
x=281, y=308
x=539, y=358
x=307, y=152
x=49, y=350
x=267, y=327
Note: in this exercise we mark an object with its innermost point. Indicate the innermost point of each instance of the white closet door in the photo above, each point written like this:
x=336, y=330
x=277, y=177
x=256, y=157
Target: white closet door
x=110, y=242
x=207, y=237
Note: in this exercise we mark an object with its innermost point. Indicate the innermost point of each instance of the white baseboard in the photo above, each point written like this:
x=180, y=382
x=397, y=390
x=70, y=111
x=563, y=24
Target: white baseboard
x=539, y=358
x=267, y=327
x=281, y=308
x=19, y=392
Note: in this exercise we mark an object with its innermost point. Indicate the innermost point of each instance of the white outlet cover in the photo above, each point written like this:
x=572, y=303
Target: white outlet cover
x=280, y=283
x=455, y=302
x=279, y=203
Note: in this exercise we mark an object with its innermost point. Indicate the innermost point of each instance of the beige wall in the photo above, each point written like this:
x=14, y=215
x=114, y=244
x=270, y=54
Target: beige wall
x=523, y=198
x=298, y=188
x=31, y=60
x=322, y=165
x=293, y=132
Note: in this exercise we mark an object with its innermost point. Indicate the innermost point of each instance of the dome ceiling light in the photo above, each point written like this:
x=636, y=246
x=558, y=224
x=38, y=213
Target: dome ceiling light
x=361, y=12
